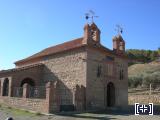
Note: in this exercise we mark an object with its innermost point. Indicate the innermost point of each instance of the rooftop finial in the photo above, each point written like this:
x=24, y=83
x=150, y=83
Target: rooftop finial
x=119, y=29
x=91, y=15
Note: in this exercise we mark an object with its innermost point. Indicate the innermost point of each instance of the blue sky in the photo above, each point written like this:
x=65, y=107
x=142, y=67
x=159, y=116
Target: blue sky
x=28, y=26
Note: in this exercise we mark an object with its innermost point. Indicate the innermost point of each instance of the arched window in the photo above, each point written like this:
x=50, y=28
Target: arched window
x=31, y=84
x=5, y=87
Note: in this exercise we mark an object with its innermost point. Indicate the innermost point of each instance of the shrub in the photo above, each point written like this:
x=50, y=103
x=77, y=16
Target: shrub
x=134, y=81
x=145, y=79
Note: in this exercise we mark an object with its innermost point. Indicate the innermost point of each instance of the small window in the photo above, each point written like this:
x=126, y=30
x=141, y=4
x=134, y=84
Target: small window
x=99, y=71
x=121, y=74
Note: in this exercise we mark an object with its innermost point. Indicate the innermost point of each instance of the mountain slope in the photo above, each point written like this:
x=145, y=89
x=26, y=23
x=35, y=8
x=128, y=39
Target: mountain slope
x=141, y=68
x=144, y=74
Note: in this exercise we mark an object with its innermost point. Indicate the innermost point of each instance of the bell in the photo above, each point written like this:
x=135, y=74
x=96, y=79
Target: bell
x=87, y=17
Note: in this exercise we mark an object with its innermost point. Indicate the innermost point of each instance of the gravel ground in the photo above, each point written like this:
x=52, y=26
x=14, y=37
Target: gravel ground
x=109, y=115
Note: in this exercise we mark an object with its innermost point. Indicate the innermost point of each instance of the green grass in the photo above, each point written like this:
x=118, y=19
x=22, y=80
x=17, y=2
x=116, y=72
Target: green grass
x=18, y=112
x=38, y=114
x=21, y=112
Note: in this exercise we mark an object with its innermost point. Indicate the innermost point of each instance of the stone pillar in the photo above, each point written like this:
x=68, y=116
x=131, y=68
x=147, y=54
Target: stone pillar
x=73, y=92
x=83, y=93
x=10, y=88
x=25, y=90
x=49, y=97
x=1, y=94
x=1, y=87
x=10, y=91
x=57, y=99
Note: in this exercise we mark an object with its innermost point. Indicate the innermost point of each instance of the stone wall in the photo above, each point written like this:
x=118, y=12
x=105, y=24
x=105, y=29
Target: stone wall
x=121, y=85
x=69, y=69
x=35, y=73
x=38, y=105
x=45, y=105
x=16, y=77
x=97, y=86
x=77, y=82
x=143, y=99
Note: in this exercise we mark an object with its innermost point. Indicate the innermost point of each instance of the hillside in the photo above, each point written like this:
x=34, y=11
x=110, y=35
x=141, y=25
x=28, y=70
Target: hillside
x=144, y=74
x=141, y=68
x=143, y=56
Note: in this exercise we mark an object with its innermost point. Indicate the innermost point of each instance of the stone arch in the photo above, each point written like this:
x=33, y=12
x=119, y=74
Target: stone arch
x=110, y=94
x=29, y=81
x=5, y=87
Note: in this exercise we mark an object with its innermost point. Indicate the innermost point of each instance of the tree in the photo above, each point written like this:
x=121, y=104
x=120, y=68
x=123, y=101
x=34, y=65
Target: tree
x=159, y=51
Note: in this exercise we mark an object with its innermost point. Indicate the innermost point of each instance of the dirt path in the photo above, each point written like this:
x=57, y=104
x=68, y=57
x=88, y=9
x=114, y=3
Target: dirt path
x=24, y=115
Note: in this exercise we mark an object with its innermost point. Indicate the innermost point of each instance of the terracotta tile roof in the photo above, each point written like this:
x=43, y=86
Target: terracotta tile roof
x=22, y=68
x=55, y=49
x=76, y=43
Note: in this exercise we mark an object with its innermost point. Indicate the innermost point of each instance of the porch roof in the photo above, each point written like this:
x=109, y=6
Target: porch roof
x=22, y=68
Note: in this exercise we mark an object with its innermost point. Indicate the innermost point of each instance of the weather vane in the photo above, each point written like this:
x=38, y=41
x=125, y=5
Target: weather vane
x=91, y=15
x=119, y=29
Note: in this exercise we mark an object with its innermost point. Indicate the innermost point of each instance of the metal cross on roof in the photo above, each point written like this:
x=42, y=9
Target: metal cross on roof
x=91, y=15
x=119, y=29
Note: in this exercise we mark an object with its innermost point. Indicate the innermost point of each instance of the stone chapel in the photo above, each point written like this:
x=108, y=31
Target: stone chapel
x=79, y=75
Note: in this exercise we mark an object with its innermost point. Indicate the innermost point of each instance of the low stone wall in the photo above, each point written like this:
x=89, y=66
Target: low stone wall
x=143, y=99
x=38, y=105
x=48, y=104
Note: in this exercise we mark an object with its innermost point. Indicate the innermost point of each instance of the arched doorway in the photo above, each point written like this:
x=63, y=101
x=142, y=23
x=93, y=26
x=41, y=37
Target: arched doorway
x=110, y=94
x=29, y=81
x=31, y=85
x=5, y=87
